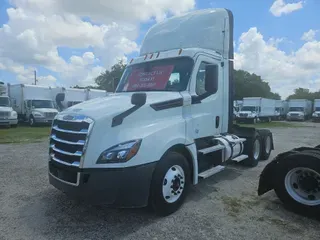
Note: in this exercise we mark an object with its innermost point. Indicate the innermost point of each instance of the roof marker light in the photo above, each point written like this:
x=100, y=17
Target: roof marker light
x=180, y=51
x=151, y=56
x=158, y=54
x=145, y=57
x=131, y=60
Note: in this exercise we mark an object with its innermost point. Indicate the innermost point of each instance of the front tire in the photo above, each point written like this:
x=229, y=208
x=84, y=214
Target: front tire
x=32, y=121
x=170, y=184
x=298, y=183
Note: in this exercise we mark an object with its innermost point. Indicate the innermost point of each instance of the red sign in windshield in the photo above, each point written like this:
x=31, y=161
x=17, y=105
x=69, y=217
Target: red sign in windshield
x=156, y=79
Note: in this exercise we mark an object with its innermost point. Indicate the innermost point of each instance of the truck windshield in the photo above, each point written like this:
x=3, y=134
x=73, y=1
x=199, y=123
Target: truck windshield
x=296, y=109
x=277, y=109
x=160, y=75
x=4, y=102
x=317, y=109
x=42, y=104
x=248, y=108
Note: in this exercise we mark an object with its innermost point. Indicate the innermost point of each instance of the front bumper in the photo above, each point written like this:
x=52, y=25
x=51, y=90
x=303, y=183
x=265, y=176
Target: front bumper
x=5, y=122
x=43, y=120
x=299, y=118
x=121, y=187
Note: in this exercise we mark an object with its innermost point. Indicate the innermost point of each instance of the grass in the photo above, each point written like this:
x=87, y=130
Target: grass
x=23, y=134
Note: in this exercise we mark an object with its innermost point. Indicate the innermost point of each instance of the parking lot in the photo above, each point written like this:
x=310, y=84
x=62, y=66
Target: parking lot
x=225, y=206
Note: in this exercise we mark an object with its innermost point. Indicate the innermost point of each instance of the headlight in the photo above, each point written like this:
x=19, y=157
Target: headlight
x=14, y=114
x=314, y=114
x=120, y=153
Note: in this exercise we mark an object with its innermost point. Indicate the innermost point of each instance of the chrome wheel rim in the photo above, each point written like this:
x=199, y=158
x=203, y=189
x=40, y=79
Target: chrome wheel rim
x=256, y=149
x=303, y=185
x=268, y=144
x=173, y=184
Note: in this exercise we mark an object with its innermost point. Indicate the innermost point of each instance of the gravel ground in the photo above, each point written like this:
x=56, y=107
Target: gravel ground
x=224, y=206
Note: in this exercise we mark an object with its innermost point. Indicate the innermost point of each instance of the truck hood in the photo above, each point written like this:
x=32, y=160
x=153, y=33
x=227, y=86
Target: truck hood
x=116, y=103
x=6, y=109
x=296, y=112
x=45, y=110
x=247, y=112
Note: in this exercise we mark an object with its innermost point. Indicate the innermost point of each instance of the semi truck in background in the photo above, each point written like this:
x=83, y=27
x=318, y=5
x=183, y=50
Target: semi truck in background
x=256, y=109
x=8, y=117
x=281, y=110
x=316, y=110
x=168, y=125
x=32, y=103
x=299, y=109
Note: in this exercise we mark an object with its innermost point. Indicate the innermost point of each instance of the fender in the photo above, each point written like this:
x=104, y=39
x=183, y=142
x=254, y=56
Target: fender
x=267, y=176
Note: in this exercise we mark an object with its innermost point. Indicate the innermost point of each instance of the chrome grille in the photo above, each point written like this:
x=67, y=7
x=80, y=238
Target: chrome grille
x=50, y=115
x=4, y=115
x=294, y=114
x=243, y=114
x=68, y=139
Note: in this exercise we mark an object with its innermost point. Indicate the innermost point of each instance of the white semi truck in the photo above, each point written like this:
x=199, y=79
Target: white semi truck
x=299, y=109
x=281, y=109
x=8, y=117
x=33, y=103
x=168, y=125
x=316, y=110
x=256, y=109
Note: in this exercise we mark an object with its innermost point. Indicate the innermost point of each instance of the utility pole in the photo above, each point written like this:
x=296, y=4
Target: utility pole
x=35, y=77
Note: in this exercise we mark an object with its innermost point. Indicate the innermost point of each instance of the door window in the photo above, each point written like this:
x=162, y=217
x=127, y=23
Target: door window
x=200, y=78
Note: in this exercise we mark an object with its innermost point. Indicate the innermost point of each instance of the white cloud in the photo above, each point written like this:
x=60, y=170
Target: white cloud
x=283, y=71
x=309, y=36
x=38, y=29
x=279, y=7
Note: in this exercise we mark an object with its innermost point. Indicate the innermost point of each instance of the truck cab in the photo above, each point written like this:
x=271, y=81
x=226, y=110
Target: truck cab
x=168, y=125
x=299, y=109
x=316, y=110
x=8, y=117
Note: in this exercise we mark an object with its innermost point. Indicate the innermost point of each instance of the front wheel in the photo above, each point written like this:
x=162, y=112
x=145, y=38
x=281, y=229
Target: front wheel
x=298, y=185
x=170, y=184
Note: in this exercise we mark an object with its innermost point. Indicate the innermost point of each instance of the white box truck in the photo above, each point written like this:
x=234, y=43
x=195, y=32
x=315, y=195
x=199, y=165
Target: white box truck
x=281, y=109
x=299, y=109
x=73, y=96
x=33, y=103
x=256, y=109
x=168, y=125
x=96, y=93
x=8, y=117
x=316, y=110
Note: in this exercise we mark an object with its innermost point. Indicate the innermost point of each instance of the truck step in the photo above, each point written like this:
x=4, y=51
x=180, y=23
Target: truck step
x=240, y=158
x=211, y=149
x=211, y=171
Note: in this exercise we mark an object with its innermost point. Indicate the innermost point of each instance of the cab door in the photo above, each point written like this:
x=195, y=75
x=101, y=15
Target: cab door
x=207, y=113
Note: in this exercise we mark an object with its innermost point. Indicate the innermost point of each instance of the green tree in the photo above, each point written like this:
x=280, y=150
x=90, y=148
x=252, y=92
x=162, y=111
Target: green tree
x=109, y=80
x=304, y=93
x=251, y=85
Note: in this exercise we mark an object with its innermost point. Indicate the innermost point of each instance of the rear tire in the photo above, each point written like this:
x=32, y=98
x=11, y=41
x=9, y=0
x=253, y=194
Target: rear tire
x=266, y=142
x=170, y=184
x=252, y=148
x=298, y=183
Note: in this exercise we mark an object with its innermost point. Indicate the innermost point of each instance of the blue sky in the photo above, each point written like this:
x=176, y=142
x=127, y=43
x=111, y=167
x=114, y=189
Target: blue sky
x=247, y=14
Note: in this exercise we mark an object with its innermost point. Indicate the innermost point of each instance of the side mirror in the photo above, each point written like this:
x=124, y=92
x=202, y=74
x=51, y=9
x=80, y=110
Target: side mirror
x=211, y=78
x=138, y=99
x=59, y=99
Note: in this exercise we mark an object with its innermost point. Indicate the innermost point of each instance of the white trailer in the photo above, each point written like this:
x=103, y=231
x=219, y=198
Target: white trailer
x=8, y=117
x=256, y=109
x=33, y=103
x=96, y=93
x=299, y=109
x=281, y=109
x=73, y=96
x=316, y=110
x=168, y=125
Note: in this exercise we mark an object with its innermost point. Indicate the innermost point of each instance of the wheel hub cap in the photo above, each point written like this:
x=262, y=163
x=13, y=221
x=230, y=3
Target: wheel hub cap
x=303, y=185
x=173, y=184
